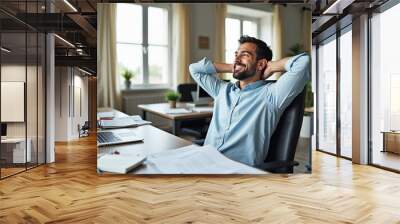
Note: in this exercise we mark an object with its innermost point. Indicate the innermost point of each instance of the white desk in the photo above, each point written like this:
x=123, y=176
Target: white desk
x=161, y=109
x=16, y=147
x=155, y=141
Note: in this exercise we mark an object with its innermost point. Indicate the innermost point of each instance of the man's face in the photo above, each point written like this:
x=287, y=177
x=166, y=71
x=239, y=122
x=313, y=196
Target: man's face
x=245, y=63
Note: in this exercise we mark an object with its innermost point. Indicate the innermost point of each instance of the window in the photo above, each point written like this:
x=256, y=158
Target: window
x=346, y=75
x=143, y=43
x=236, y=26
x=385, y=88
x=327, y=96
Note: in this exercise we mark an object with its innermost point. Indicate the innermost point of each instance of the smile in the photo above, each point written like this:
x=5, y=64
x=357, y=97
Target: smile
x=239, y=68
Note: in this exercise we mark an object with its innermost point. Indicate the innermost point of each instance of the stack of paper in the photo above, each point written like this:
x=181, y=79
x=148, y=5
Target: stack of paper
x=178, y=111
x=123, y=122
x=119, y=163
x=194, y=160
x=105, y=115
x=203, y=109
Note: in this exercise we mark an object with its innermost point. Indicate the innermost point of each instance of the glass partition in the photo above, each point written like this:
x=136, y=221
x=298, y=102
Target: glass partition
x=23, y=91
x=13, y=105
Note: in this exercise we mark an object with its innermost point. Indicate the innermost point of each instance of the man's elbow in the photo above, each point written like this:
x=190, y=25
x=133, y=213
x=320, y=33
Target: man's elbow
x=305, y=59
x=302, y=63
x=192, y=69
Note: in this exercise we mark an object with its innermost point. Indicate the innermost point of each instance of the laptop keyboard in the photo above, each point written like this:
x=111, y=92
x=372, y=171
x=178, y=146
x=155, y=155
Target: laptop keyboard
x=105, y=137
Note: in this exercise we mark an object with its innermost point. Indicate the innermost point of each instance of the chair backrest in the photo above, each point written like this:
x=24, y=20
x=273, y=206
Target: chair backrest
x=284, y=140
x=186, y=90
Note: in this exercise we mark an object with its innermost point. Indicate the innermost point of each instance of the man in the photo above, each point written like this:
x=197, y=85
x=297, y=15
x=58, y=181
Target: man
x=246, y=113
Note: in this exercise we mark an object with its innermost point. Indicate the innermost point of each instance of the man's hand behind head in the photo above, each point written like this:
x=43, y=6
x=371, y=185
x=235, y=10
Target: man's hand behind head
x=268, y=71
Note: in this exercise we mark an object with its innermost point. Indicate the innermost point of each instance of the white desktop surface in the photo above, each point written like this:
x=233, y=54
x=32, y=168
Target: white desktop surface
x=157, y=141
x=19, y=150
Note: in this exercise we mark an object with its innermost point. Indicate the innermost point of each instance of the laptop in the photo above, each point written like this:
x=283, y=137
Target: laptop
x=200, y=97
x=118, y=136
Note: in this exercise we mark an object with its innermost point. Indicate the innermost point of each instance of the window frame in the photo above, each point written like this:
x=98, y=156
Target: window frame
x=243, y=18
x=145, y=49
x=332, y=36
x=370, y=73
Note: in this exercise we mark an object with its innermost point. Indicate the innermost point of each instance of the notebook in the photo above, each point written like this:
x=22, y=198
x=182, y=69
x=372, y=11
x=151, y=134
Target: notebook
x=123, y=122
x=119, y=163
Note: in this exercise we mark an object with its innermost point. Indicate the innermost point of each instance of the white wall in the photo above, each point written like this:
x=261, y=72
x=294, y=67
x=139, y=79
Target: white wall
x=202, y=23
x=69, y=85
x=292, y=30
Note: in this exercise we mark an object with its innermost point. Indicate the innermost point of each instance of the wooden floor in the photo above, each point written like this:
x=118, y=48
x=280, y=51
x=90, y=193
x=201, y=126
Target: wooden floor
x=386, y=159
x=70, y=191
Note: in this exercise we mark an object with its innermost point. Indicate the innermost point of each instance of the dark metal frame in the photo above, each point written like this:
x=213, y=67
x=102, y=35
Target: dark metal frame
x=338, y=33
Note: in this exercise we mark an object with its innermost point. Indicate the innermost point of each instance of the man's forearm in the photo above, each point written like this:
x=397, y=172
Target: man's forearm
x=223, y=68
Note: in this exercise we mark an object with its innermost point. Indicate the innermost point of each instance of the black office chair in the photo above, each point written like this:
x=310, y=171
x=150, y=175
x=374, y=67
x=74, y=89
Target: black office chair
x=197, y=128
x=282, y=147
x=84, y=129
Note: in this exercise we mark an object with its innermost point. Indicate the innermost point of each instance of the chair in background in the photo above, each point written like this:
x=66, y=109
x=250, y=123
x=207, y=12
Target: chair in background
x=195, y=128
x=282, y=147
x=84, y=130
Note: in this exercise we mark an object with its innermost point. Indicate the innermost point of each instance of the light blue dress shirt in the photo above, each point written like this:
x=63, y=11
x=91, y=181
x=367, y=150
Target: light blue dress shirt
x=244, y=119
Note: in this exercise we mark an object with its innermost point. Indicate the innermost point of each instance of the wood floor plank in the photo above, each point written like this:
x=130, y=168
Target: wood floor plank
x=70, y=191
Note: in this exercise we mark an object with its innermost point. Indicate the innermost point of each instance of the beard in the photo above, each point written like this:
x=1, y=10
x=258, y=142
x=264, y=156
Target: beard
x=242, y=75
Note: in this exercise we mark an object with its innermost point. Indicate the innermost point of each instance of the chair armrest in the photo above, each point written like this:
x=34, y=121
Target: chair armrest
x=279, y=164
x=190, y=132
x=199, y=141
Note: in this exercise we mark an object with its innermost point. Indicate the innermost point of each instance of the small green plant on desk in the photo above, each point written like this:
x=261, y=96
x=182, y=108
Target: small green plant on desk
x=172, y=97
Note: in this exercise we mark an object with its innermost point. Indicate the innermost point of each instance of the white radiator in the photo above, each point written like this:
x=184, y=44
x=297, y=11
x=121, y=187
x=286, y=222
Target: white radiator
x=131, y=102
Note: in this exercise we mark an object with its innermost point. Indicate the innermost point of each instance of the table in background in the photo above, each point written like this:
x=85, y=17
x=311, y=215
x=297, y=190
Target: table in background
x=161, y=109
x=13, y=150
x=391, y=141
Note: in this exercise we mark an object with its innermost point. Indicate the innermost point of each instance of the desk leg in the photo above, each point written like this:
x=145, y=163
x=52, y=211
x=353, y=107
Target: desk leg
x=175, y=127
x=143, y=114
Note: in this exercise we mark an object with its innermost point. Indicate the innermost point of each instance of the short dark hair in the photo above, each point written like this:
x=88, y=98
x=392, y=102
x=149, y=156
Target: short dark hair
x=262, y=50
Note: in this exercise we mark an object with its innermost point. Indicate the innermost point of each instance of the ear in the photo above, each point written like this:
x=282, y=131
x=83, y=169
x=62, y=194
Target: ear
x=262, y=64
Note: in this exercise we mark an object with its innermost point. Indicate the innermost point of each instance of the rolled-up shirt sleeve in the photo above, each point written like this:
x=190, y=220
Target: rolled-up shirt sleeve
x=204, y=73
x=292, y=82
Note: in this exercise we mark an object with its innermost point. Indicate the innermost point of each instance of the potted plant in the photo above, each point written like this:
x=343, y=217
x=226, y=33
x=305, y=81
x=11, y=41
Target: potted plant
x=128, y=75
x=172, y=97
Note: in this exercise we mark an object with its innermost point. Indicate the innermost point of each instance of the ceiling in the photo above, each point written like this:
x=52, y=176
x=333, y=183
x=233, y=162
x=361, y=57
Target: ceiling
x=76, y=22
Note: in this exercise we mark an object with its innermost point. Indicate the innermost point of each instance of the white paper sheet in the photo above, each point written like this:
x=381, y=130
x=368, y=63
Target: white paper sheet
x=101, y=115
x=193, y=159
x=203, y=109
x=121, y=122
x=178, y=111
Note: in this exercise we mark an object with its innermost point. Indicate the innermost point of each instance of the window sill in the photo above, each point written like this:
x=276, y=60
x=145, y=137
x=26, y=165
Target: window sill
x=144, y=89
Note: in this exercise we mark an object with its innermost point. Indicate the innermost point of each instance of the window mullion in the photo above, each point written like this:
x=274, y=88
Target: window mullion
x=145, y=46
x=241, y=27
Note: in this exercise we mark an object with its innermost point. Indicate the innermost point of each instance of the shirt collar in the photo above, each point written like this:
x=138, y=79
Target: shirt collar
x=251, y=86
